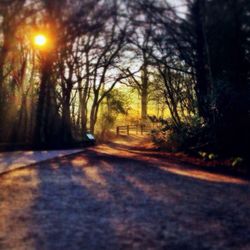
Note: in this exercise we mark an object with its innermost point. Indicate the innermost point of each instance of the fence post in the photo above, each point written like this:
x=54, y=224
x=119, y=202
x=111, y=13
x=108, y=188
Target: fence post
x=117, y=130
x=128, y=130
x=141, y=129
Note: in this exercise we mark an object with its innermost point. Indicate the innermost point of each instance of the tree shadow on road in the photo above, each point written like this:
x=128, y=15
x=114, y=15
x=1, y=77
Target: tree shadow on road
x=96, y=200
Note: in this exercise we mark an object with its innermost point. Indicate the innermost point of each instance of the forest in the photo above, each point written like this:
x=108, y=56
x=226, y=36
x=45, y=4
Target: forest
x=72, y=66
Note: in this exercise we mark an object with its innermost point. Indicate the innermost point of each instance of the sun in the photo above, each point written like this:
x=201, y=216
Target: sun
x=40, y=40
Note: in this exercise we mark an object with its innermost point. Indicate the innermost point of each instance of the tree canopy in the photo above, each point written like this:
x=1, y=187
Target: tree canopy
x=190, y=60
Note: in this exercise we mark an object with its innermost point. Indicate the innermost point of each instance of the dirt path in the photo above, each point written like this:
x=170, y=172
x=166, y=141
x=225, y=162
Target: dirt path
x=121, y=196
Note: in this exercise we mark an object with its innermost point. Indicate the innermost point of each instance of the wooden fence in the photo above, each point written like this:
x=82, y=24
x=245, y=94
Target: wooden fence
x=136, y=129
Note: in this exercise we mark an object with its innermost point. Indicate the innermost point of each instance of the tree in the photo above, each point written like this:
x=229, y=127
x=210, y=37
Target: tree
x=107, y=67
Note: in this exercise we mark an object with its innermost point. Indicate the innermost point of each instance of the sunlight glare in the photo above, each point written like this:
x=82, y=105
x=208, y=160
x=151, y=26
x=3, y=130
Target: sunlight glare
x=40, y=40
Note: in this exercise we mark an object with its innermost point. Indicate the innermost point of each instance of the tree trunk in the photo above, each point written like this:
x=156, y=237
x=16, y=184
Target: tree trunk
x=201, y=65
x=66, y=119
x=3, y=55
x=93, y=116
x=144, y=89
x=144, y=104
x=46, y=116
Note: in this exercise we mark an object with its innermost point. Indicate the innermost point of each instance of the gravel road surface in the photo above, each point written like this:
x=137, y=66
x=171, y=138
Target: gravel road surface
x=122, y=197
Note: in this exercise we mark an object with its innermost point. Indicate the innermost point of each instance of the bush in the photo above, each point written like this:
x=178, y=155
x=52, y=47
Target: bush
x=192, y=135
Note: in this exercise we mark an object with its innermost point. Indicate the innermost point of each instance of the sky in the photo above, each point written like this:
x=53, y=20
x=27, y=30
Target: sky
x=180, y=6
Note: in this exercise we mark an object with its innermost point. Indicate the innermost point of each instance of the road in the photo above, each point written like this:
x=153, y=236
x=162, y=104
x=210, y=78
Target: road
x=122, y=196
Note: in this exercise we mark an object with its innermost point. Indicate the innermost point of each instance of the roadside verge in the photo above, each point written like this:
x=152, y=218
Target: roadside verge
x=18, y=159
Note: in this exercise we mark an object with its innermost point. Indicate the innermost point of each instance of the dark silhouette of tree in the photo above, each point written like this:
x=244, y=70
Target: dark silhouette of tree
x=197, y=62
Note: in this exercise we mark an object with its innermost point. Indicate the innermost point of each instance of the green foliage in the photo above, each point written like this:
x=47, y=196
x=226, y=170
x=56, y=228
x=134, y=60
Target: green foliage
x=219, y=56
x=115, y=104
x=192, y=135
x=207, y=156
x=238, y=161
